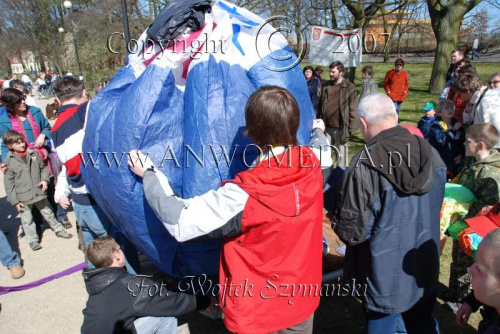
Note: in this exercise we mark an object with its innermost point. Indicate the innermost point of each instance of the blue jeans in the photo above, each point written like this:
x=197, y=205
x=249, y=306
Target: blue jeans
x=398, y=106
x=158, y=325
x=94, y=224
x=8, y=257
x=475, y=53
x=418, y=319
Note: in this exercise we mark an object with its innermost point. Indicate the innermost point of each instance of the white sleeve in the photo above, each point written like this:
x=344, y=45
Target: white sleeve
x=62, y=186
x=212, y=215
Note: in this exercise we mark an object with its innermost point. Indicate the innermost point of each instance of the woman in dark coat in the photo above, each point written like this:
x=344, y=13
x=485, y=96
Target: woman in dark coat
x=313, y=84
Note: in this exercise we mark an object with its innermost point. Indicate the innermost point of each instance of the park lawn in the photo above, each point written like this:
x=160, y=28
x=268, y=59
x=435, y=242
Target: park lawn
x=348, y=316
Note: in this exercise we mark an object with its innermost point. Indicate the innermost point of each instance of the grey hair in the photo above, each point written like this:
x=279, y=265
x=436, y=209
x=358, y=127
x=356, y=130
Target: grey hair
x=492, y=240
x=377, y=108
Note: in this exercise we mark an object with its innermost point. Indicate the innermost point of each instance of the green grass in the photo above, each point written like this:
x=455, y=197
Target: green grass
x=344, y=314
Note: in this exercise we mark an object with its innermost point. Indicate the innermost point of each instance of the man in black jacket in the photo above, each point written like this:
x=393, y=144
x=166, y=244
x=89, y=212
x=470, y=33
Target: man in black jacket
x=387, y=213
x=123, y=303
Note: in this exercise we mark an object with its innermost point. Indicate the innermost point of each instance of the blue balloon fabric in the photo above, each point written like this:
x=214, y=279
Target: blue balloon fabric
x=183, y=103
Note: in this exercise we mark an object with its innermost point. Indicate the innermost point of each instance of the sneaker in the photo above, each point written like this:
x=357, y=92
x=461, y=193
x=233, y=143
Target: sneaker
x=64, y=234
x=17, y=271
x=66, y=224
x=35, y=245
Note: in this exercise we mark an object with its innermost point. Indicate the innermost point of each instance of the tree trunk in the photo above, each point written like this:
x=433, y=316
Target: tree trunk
x=445, y=19
x=386, y=36
x=447, y=39
x=399, y=43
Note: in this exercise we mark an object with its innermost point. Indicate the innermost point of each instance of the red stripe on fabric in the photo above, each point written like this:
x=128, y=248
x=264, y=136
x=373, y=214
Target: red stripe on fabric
x=73, y=165
x=63, y=117
x=337, y=34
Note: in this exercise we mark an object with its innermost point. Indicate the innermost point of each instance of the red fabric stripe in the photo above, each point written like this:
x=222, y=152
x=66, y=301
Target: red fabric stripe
x=338, y=34
x=63, y=117
x=73, y=165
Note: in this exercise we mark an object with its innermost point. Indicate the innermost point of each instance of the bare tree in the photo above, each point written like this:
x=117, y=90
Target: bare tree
x=35, y=23
x=446, y=18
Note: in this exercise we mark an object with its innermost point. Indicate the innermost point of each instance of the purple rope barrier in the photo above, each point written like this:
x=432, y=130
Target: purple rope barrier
x=8, y=289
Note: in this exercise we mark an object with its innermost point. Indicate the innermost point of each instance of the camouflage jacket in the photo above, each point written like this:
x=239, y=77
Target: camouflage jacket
x=483, y=179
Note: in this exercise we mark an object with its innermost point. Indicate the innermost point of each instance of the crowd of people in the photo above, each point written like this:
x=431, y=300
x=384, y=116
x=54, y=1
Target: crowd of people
x=379, y=213
x=387, y=207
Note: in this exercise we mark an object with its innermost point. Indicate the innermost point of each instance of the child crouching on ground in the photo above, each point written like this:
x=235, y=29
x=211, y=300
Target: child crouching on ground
x=26, y=184
x=120, y=302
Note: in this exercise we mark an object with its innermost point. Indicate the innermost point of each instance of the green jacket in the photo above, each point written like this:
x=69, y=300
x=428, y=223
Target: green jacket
x=22, y=179
x=483, y=179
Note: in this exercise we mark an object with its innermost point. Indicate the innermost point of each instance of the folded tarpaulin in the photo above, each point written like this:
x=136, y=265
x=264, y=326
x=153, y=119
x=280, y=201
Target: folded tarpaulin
x=178, y=16
x=184, y=106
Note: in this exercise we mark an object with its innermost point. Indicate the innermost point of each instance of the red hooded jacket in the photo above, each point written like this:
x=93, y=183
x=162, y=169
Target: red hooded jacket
x=279, y=249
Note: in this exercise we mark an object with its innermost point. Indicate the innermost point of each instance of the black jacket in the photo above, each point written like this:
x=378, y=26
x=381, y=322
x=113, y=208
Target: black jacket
x=117, y=298
x=389, y=219
x=451, y=72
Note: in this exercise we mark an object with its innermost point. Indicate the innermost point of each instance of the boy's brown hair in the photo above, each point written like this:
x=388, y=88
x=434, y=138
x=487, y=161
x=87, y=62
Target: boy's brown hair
x=68, y=88
x=468, y=83
x=368, y=70
x=467, y=69
x=12, y=137
x=484, y=132
x=272, y=117
x=444, y=104
x=100, y=251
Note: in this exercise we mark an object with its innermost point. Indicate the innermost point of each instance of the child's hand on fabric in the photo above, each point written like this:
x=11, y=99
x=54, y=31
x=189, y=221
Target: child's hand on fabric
x=43, y=185
x=457, y=126
x=20, y=207
x=139, y=162
x=319, y=124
